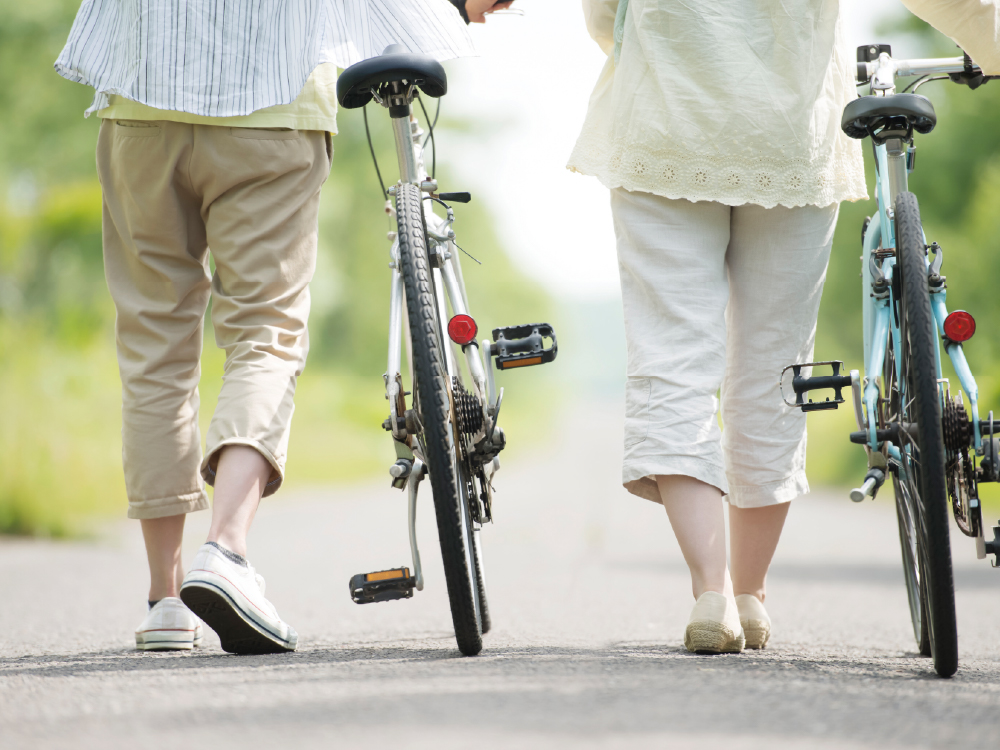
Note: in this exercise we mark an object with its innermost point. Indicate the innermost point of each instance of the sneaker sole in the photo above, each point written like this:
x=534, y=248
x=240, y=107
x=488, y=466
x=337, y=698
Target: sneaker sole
x=236, y=632
x=712, y=638
x=166, y=640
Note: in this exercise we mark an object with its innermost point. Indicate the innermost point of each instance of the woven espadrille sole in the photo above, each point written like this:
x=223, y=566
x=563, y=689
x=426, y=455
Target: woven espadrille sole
x=712, y=638
x=757, y=633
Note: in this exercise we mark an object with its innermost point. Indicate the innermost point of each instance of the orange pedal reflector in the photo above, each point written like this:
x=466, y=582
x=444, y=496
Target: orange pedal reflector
x=520, y=363
x=388, y=575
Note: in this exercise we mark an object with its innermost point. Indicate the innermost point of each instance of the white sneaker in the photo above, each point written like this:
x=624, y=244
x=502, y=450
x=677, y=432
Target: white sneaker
x=714, y=626
x=753, y=617
x=169, y=626
x=228, y=595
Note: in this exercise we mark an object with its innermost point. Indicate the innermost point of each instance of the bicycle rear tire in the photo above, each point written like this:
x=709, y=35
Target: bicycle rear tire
x=906, y=518
x=484, y=610
x=926, y=463
x=432, y=401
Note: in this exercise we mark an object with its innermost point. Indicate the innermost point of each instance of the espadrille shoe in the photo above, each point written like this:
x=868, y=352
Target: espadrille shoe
x=714, y=627
x=753, y=617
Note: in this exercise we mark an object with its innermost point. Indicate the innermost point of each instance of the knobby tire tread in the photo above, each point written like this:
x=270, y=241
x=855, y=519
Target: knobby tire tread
x=431, y=379
x=934, y=543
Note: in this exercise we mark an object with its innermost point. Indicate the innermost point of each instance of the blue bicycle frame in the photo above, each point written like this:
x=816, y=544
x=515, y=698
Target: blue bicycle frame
x=879, y=324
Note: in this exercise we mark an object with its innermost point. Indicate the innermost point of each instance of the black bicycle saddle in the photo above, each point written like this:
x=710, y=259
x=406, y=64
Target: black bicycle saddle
x=394, y=64
x=868, y=113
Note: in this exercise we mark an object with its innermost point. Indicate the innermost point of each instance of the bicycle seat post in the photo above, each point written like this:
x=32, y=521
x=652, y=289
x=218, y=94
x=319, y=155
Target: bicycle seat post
x=896, y=158
x=399, y=111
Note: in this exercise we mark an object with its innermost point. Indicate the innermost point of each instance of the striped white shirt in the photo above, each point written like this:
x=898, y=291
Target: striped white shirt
x=225, y=58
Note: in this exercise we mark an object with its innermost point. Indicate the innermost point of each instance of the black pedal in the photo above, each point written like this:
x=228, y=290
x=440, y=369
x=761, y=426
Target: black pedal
x=524, y=346
x=383, y=586
x=802, y=385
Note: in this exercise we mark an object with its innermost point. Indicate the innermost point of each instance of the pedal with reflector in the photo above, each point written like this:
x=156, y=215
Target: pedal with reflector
x=382, y=586
x=523, y=346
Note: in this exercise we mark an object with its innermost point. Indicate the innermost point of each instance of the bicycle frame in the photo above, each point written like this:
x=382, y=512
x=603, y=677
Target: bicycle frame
x=879, y=324
x=447, y=271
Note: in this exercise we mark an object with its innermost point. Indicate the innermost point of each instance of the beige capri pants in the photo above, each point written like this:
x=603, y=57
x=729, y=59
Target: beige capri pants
x=717, y=296
x=171, y=191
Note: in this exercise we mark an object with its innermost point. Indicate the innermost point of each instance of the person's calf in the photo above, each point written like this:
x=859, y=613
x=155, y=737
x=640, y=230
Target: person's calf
x=240, y=478
x=753, y=539
x=696, y=516
x=163, y=538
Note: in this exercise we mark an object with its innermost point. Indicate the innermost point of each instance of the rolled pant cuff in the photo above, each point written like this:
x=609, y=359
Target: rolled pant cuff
x=277, y=466
x=174, y=505
x=761, y=496
x=639, y=477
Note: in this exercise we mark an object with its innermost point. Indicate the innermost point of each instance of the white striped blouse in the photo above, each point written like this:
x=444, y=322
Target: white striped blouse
x=223, y=58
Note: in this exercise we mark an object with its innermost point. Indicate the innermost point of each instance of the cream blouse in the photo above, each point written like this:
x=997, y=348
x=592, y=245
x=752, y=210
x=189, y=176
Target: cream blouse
x=733, y=101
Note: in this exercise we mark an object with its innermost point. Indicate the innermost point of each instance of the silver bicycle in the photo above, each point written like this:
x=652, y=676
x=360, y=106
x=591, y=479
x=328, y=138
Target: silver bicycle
x=444, y=425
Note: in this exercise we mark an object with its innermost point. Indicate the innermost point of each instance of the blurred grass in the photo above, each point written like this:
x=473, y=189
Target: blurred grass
x=60, y=454
x=60, y=436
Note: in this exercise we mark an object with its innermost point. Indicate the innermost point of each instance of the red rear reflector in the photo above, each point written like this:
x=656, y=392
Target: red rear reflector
x=462, y=329
x=959, y=326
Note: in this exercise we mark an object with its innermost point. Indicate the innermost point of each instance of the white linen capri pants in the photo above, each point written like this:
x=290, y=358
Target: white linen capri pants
x=717, y=297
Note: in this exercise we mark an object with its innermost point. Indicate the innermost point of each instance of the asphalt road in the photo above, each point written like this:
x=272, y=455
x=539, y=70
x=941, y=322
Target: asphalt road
x=589, y=597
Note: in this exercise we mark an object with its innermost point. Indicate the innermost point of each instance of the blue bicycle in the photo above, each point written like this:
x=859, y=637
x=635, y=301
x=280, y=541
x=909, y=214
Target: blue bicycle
x=908, y=421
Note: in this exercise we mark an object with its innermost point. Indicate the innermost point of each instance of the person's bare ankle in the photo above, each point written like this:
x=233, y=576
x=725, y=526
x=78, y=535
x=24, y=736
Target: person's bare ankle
x=163, y=589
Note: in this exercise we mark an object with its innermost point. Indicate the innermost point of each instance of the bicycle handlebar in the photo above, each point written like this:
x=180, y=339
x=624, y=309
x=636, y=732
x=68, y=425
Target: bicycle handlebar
x=890, y=68
x=882, y=71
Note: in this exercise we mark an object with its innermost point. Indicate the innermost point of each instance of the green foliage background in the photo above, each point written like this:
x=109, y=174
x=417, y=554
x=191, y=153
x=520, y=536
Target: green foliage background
x=59, y=389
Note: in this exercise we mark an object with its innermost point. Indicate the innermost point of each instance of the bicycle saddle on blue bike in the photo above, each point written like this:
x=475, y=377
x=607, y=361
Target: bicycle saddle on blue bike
x=867, y=114
x=394, y=64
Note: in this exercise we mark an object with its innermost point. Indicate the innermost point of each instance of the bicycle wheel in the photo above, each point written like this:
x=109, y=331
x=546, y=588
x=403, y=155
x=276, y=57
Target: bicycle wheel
x=432, y=402
x=484, y=609
x=906, y=516
x=921, y=474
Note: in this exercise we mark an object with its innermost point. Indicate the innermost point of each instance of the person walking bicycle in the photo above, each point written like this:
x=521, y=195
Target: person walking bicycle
x=215, y=140
x=716, y=126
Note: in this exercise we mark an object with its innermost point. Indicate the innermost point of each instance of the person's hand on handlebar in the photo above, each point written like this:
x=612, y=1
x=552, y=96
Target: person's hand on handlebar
x=478, y=9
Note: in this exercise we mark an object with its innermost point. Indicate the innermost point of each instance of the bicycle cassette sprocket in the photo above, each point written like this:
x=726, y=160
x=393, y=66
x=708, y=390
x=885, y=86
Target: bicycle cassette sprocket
x=956, y=426
x=468, y=409
x=959, y=469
